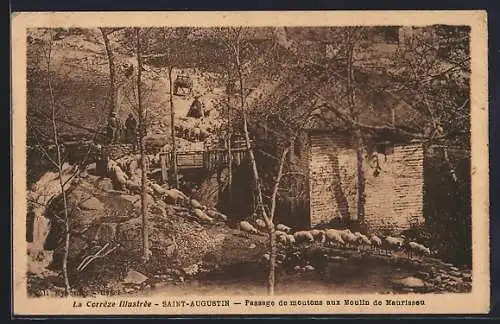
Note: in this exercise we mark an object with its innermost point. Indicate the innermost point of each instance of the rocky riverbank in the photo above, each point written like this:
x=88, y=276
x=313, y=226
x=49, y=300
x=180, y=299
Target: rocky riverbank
x=105, y=253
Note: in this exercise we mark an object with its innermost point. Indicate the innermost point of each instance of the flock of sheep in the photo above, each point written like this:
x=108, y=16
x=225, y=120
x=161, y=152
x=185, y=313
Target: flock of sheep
x=195, y=130
x=125, y=173
x=339, y=238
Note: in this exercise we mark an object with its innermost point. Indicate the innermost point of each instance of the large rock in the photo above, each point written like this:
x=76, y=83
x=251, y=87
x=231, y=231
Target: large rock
x=105, y=184
x=38, y=261
x=409, y=282
x=149, y=200
x=106, y=232
x=134, y=277
x=136, y=200
x=92, y=203
x=78, y=246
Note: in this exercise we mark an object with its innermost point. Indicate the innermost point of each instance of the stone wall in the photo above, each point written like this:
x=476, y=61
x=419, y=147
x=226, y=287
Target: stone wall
x=393, y=192
x=394, y=196
x=332, y=182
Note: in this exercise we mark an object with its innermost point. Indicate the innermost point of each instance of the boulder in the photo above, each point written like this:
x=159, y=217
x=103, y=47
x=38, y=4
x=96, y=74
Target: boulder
x=422, y=275
x=91, y=203
x=78, y=246
x=136, y=200
x=106, y=232
x=134, y=277
x=409, y=282
x=336, y=258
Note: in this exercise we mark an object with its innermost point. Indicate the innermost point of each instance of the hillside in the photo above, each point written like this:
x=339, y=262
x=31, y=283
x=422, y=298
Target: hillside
x=80, y=82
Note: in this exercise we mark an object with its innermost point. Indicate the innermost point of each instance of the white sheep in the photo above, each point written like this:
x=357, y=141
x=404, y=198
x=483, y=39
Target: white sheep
x=196, y=204
x=260, y=224
x=157, y=189
x=345, y=234
x=216, y=214
x=202, y=216
x=303, y=236
x=290, y=238
x=334, y=236
x=348, y=237
x=283, y=228
x=175, y=195
x=280, y=233
x=392, y=243
x=414, y=247
x=247, y=227
x=282, y=239
x=362, y=239
x=319, y=235
x=352, y=240
x=376, y=242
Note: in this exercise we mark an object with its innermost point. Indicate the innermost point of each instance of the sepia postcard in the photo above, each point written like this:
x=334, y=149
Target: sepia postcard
x=277, y=162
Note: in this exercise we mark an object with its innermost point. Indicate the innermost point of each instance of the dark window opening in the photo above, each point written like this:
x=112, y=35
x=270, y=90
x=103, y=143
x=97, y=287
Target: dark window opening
x=385, y=148
x=297, y=148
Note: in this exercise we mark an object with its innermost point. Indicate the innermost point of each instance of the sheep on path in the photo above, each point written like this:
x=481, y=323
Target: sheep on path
x=283, y=228
x=362, y=239
x=318, y=235
x=376, y=242
x=303, y=236
x=392, y=244
x=247, y=227
x=416, y=248
x=334, y=237
x=260, y=224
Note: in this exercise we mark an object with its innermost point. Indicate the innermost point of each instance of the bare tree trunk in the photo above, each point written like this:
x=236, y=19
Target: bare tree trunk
x=229, y=156
x=271, y=279
x=172, y=126
x=260, y=201
x=67, y=287
x=357, y=133
x=271, y=228
x=361, y=176
x=142, y=128
x=112, y=70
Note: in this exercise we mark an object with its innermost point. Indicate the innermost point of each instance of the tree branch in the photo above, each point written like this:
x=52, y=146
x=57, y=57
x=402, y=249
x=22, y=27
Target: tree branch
x=277, y=183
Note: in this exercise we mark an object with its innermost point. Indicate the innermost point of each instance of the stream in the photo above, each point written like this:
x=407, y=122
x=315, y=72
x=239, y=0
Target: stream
x=250, y=279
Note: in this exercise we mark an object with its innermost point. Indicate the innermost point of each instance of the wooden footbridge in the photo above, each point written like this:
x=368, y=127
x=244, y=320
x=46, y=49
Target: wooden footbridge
x=208, y=159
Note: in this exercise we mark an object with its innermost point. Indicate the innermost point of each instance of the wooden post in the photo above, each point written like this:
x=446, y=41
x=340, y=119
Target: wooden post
x=164, y=169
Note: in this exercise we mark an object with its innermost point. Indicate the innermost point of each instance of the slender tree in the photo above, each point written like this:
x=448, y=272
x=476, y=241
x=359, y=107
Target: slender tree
x=234, y=43
x=172, y=127
x=58, y=161
x=142, y=133
x=112, y=70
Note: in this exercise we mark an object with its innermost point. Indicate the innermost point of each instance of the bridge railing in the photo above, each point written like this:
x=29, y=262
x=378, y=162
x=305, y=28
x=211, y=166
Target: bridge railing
x=209, y=159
